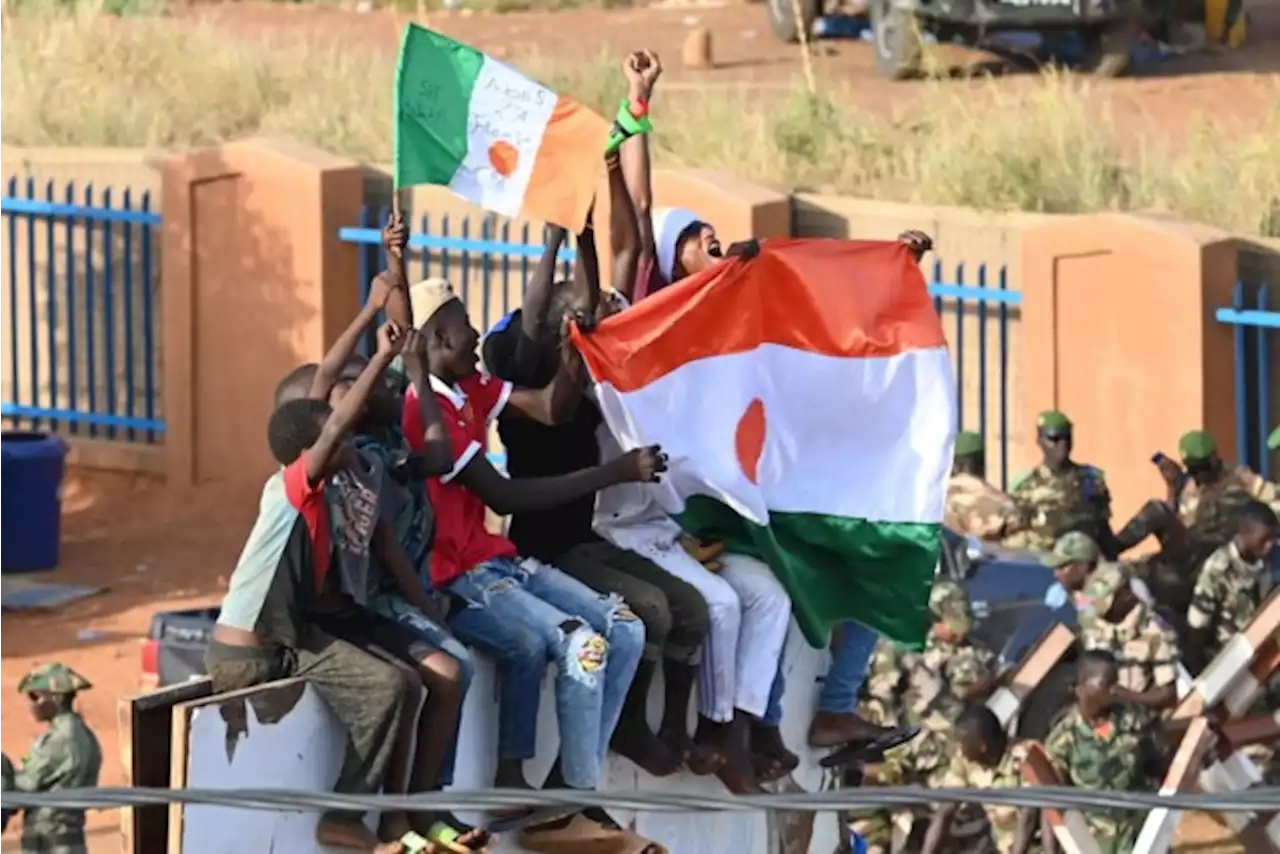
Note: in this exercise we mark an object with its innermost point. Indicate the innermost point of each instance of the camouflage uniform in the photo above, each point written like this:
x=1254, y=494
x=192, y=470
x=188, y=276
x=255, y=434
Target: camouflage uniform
x=921, y=688
x=1228, y=592
x=1000, y=822
x=1209, y=511
x=1145, y=647
x=1052, y=503
x=978, y=508
x=1114, y=755
x=66, y=756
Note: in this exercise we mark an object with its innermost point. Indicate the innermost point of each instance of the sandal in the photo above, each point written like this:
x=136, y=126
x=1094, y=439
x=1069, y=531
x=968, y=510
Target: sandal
x=580, y=836
x=447, y=837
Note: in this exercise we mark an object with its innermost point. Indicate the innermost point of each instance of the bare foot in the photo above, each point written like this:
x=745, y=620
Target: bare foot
x=677, y=741
x=637, y=742
x=771, y=758
x=737, y=775
x=393, y=825
x=707, y=755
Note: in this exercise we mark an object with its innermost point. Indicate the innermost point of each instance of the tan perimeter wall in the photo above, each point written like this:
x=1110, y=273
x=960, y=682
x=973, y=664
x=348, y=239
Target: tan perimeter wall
x=1119, y=334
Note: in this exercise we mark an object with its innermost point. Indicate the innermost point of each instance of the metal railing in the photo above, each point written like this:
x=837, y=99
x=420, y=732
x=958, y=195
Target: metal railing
x=81, y=287
x=489, y=264
x=1255, y=329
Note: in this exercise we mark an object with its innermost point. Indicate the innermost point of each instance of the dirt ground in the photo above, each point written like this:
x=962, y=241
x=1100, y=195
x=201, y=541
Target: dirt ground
x=154, y=550
x=1225, y=87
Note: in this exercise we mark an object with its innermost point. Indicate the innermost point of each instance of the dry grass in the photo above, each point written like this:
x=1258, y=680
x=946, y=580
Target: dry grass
x=80, y=78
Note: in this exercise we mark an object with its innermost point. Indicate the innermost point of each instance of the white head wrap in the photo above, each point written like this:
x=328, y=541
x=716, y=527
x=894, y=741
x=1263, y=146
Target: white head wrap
x=668, y=223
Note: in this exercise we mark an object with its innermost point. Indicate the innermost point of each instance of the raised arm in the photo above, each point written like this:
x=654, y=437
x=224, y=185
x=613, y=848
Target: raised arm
x=395, y=240
x=624, y=231
x=558, y=400
x=389, y=290
x=436, y=454
x=330, y=368
x=519, y=495
x=343, y=418
x=642, y=69
x=537, y=294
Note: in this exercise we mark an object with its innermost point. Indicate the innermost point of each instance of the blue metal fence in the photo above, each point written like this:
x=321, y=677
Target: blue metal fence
x=492, y=264
x=80, y=292
x=1256, y=329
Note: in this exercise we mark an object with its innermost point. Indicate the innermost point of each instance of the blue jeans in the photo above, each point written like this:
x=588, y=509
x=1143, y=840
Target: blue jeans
x=434, y=636
x=526, y=614
x=850, y=657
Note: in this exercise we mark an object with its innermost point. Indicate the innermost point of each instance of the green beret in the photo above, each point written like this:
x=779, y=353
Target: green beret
x=969, y=443
x=1196, y=445
x=1053, y=421
x=1274, y=441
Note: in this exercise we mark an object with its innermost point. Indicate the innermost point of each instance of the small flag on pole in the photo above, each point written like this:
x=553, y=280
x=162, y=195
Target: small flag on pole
x=492, y=135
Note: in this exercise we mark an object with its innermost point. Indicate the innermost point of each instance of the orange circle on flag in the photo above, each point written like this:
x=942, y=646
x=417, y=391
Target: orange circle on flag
x=504, y=157
x=748, y=439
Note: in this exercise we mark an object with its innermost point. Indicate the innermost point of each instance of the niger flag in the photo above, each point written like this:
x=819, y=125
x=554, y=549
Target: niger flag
x=806, y=401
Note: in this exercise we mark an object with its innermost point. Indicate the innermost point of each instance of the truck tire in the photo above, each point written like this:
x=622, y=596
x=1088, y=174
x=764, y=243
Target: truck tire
x=896, y=40
x=782, y=18
x=1107, y=49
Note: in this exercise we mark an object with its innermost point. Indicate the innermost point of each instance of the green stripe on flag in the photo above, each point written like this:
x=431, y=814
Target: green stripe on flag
x=434, y=81
x=835, y=568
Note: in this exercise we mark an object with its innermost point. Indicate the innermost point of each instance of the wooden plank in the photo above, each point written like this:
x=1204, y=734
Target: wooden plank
x=1156, y=836
x=143, y=725
x=1069, y=827
x=1030, y=672
x=181, y=722
x=1237, y=657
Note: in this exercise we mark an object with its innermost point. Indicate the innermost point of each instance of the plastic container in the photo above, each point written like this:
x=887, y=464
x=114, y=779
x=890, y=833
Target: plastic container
x=31, y=472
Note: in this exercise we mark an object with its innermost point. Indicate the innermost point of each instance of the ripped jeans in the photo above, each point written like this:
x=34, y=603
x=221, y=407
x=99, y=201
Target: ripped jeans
x=525, y=614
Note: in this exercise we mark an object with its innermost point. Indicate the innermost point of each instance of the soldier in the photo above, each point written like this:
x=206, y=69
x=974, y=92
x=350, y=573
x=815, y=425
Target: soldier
x=1209, y=495
x=1234, y=580
x=981, y=759
x=1061, y=495
x=1072, y=559
x=974, y=506
x=1146, y=648
x=1102, y=743
x=929, y=689
x=66, y=756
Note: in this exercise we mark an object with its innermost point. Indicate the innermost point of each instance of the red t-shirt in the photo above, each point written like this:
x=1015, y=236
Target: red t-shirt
x=309, y=501
x=461, y=541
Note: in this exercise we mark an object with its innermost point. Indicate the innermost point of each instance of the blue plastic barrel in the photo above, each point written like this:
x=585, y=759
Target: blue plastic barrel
x=31, y=471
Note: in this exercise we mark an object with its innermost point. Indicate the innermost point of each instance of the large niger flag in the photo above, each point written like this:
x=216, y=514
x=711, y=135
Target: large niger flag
x=807, y=404
x=492, y=135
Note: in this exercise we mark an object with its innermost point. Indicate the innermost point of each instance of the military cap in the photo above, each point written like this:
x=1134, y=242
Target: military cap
x=1196, y=445
x=969, y=443
x=1103, y=585
x=1072, y=547
x=1053, y=421
x=53, y=678
x=950, y=604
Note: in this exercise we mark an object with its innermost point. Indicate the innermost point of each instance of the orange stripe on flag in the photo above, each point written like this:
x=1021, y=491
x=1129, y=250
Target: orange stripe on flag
x=566, y=168
x=858, y=299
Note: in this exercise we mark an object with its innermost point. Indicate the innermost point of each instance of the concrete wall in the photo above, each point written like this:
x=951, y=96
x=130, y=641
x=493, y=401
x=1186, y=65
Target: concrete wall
x=286, y=734
x=256, y=281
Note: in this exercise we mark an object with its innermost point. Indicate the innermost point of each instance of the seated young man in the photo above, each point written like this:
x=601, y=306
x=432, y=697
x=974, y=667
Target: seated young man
x=1105, y=744
x=523, y=613
x=524, y=349
x=264, y=630
x=386, y=484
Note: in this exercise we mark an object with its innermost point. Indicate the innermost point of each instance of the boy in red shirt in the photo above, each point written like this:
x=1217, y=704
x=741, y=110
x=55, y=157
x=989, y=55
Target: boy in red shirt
x=521, y=612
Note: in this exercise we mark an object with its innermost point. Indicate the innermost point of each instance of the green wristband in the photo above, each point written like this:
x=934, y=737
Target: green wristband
x=625, y=126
